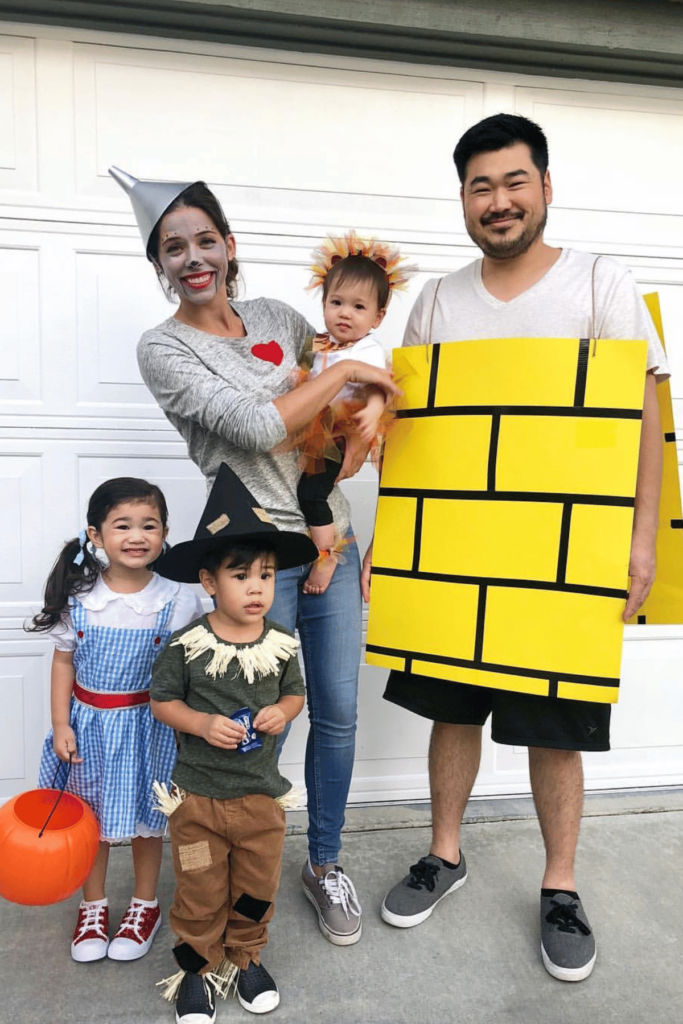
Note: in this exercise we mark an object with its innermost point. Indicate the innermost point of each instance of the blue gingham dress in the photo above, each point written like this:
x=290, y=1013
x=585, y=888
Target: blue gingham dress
x=123, y=750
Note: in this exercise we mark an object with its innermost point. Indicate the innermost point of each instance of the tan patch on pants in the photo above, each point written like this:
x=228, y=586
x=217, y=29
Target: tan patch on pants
x=195, y=856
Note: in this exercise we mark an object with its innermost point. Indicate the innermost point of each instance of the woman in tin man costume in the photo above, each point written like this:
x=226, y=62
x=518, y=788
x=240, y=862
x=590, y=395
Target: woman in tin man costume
x=222, y=371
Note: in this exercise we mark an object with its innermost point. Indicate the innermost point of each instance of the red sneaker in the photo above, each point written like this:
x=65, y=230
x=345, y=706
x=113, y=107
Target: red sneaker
x=136, y=932
x=91, y=935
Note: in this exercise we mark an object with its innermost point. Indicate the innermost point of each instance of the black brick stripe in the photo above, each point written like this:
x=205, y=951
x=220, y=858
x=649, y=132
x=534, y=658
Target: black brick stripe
x=581, y=372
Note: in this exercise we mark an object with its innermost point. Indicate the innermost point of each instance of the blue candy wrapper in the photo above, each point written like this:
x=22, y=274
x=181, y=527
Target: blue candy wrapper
x=251, y=741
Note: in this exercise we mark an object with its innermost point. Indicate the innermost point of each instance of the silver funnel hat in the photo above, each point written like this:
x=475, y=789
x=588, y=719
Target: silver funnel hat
x=149, y=199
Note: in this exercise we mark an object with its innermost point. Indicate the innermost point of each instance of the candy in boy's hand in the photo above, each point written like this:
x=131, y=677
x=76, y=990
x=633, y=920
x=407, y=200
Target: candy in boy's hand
x=243, y=717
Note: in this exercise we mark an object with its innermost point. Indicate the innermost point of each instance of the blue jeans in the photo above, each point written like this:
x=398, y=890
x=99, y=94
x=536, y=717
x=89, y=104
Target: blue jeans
x=329, y=628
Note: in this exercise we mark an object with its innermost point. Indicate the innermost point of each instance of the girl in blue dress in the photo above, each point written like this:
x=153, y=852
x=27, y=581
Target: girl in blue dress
x=109, y=616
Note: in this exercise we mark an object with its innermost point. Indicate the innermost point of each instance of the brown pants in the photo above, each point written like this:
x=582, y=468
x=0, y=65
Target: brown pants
x=227, y=857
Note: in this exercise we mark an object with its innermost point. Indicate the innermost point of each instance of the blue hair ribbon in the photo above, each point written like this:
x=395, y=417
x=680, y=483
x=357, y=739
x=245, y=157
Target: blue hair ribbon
x=82, y=538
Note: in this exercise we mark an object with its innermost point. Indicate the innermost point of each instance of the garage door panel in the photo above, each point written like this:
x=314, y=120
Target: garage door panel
x=118, y=298
x=20, y=334
x=21, y=526
x=651, y=712
x=435, y=222
x=24, y=692
x=621, y=233
x=249, y=123
x=606, y=147
x=17, y=113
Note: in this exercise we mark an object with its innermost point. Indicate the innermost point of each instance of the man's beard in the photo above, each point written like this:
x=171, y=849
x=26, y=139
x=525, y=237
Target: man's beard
x=506, y=248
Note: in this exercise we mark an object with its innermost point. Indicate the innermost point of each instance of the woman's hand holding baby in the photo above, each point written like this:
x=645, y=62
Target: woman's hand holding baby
x=367, y=422
x=355, y=454
x=364, y=373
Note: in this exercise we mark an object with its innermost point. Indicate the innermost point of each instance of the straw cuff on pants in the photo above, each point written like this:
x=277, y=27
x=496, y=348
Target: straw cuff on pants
x=227, y=857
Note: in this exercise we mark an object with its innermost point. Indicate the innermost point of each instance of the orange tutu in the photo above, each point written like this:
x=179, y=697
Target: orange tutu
x=319, y=439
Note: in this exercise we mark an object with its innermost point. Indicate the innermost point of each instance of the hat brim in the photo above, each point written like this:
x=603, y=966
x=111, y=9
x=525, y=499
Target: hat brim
x=182, y=561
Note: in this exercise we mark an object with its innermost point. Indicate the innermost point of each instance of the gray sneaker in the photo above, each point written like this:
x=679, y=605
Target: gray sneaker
x=412, y=900
x=567, y=942
x=335, y=900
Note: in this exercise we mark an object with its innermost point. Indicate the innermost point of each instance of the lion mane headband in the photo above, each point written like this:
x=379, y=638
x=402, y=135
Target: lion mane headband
x=333, y=250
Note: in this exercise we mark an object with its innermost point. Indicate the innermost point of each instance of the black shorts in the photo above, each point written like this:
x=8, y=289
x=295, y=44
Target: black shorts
x=517, y=719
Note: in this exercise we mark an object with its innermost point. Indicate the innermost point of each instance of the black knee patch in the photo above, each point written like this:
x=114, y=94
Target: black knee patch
x=250, y=907
x=188, y=959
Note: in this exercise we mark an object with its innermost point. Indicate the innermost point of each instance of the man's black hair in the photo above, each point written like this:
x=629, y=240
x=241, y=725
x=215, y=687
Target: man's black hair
x=499, y=132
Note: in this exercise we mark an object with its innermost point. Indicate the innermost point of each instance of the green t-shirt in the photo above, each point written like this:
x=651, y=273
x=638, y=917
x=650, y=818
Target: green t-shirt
x=184, y=671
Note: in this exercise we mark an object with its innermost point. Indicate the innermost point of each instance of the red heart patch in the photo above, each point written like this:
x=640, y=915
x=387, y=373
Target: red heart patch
x=269, y=351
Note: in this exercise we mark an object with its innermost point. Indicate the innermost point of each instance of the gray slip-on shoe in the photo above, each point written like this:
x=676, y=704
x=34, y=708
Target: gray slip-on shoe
x=567, y=941
x=413, y=899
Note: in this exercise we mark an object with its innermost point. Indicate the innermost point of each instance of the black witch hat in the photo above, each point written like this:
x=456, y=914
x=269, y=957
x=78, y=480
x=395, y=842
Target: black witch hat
x=233, y=514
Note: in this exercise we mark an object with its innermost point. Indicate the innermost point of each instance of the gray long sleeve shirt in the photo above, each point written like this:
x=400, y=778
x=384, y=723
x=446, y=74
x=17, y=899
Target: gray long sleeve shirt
x=218, y=393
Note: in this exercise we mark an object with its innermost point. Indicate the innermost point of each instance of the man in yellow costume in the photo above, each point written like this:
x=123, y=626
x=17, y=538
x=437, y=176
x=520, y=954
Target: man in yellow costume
x=523, y=288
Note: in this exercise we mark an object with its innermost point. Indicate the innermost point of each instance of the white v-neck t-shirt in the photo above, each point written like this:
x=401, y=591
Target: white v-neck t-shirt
x=558, y=306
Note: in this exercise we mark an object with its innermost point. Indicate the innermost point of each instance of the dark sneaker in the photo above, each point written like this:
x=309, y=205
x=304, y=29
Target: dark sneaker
x=335, y=900
x=256, y=990
x=567, y=942
x=412, y=900
x=196, y=1002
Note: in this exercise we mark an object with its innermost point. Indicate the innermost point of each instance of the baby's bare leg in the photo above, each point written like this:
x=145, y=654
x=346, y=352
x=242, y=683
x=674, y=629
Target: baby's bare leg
x=322, y=571
x=313, y=492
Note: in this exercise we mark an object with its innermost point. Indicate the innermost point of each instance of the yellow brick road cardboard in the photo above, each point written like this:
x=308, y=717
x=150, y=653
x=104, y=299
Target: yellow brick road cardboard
x=505, y=513
x=665, y=603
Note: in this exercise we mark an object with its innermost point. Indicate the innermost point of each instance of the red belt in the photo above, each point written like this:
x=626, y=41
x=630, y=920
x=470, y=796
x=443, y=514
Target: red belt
x=110, y=701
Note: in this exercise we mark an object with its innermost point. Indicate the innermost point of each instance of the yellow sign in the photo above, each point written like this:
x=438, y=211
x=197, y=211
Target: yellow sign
x=505, y=514
x=664, y=606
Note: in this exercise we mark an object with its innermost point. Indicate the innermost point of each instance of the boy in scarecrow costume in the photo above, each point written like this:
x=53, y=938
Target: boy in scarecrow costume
x=228, y=683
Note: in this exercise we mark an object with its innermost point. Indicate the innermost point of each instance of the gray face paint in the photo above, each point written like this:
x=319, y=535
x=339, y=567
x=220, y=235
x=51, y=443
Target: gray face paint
x=193, y=256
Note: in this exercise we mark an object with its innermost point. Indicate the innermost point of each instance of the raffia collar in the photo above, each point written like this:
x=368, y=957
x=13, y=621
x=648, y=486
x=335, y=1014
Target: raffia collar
x=257, y=659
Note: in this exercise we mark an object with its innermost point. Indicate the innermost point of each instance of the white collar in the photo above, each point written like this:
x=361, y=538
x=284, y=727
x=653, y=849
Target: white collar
x=148, y=601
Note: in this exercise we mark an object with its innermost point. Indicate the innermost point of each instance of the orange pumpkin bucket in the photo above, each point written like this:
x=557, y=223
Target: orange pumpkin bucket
x=48, y=844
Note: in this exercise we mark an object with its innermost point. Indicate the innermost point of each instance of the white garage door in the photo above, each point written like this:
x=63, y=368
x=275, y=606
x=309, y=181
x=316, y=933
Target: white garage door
x=294, y=148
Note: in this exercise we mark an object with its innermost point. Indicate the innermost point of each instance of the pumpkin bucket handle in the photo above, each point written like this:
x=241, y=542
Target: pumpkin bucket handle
x=61, y=794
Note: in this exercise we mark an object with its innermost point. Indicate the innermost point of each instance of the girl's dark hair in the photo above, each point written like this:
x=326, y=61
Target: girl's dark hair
x=201, y=197
x=239, y=552
x=358, y=270
x=499, y=132
x=67, y=579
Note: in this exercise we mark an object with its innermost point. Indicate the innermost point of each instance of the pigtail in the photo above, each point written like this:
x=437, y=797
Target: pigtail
x=75, y=572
